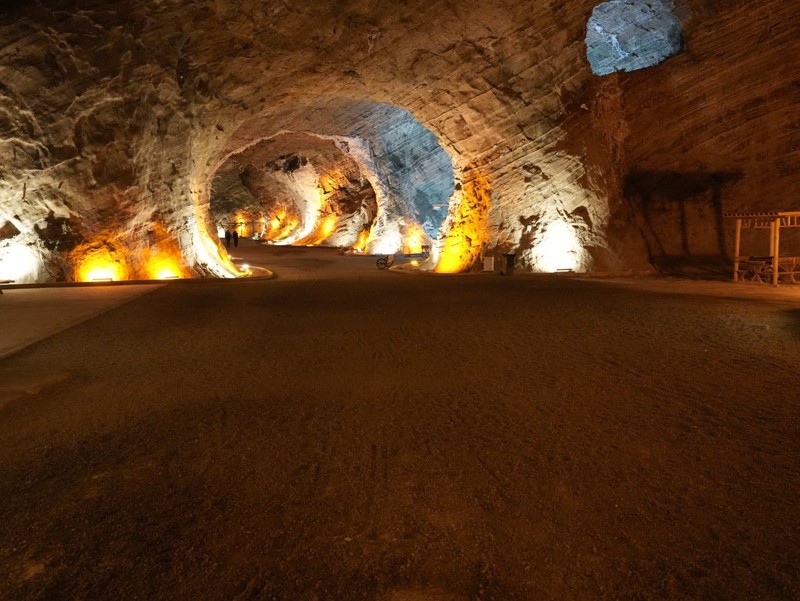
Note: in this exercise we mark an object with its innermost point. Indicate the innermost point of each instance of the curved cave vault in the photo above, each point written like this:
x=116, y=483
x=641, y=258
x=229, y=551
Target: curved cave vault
x=368, y=176
x=479, y=125
x=295, y=189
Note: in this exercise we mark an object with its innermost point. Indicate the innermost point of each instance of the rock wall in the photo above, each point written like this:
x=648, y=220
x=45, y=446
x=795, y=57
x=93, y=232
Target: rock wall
x=714, y=130
x=115, y=117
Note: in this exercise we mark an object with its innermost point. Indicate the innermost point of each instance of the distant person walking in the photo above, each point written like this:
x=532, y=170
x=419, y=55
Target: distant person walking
x=227, y=238
x=235, y=238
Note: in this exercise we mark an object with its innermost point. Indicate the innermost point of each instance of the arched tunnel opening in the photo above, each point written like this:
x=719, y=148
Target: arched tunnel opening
x=366, y=177
x=294, y=189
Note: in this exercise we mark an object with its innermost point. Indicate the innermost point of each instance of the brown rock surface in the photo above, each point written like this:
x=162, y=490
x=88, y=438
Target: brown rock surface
x=715, y=130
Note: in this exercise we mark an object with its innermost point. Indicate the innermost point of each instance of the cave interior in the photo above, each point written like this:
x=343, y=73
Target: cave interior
x=594, y=137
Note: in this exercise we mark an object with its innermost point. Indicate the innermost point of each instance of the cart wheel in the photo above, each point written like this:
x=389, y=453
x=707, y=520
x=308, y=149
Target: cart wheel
x=382, y=263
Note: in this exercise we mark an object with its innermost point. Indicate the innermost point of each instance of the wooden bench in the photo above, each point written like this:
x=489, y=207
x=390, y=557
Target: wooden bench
x=789, y=270
x=754, y=269
x=5, y=282
x=760, y=269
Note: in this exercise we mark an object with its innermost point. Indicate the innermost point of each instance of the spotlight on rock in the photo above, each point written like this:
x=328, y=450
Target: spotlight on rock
x=415, y=237
x=559, y=248
x=19, y=263
x=100, y=261
x=361, y=244
x=165, y=269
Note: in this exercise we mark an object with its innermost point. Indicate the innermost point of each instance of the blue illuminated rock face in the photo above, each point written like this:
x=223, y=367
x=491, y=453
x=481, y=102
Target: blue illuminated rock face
x=416, y=171
x=626, y=35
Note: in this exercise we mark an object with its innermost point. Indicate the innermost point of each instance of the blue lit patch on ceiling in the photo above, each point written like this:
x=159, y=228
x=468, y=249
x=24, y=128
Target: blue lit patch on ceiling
x=627, y=35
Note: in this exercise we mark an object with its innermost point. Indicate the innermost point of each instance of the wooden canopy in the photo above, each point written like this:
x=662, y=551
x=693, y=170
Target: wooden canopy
x=773, y=266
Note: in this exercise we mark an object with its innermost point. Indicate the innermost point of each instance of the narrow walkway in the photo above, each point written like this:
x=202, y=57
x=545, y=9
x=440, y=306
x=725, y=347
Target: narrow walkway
x=28, y=315
x=301, y=263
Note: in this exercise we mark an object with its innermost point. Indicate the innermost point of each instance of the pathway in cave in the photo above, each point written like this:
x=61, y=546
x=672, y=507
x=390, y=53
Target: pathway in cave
x=398, y=437
x=300, y=262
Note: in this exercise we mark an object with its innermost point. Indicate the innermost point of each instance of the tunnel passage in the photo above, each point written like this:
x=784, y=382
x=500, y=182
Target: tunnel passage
x=294, y=189
x=360, y=174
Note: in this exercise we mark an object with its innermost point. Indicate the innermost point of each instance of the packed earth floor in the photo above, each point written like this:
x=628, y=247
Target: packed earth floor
x=371, y=435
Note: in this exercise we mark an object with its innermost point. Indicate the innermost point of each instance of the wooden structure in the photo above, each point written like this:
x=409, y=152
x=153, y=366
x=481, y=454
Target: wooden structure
x=773, y=267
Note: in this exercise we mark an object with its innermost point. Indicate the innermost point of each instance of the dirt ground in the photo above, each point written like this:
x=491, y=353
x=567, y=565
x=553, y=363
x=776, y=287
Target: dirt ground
x=380, y=436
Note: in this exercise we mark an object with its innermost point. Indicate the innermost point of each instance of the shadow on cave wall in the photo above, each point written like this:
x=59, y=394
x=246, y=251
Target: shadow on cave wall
x=681, y=219
x=58, y=234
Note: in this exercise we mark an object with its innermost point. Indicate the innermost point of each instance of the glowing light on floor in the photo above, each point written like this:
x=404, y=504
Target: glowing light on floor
x=18, y=262
x=559, y=248
x=102, y=274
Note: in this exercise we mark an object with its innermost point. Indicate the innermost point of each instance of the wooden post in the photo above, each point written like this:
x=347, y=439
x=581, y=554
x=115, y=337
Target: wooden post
x=772, y=242
x=776, y=255
x=736, y=249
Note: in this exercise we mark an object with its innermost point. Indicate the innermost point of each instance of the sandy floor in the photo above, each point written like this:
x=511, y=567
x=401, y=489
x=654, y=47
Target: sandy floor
x=392, y=437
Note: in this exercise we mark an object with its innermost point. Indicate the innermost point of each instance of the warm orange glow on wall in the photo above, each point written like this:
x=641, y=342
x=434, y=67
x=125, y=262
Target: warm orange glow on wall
x=101, y=261
x=328, y=182
x=240, y=224
x=323, y=229
x=106, y=272
x=162, y=258
x=414, y=239
x=164, y=268
x=468, y=227
x=281, y=226
x=328, y=226
x=212, y=248
x=361, y=244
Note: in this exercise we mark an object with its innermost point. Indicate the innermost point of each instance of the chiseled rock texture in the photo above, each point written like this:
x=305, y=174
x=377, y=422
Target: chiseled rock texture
x=116, y=116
